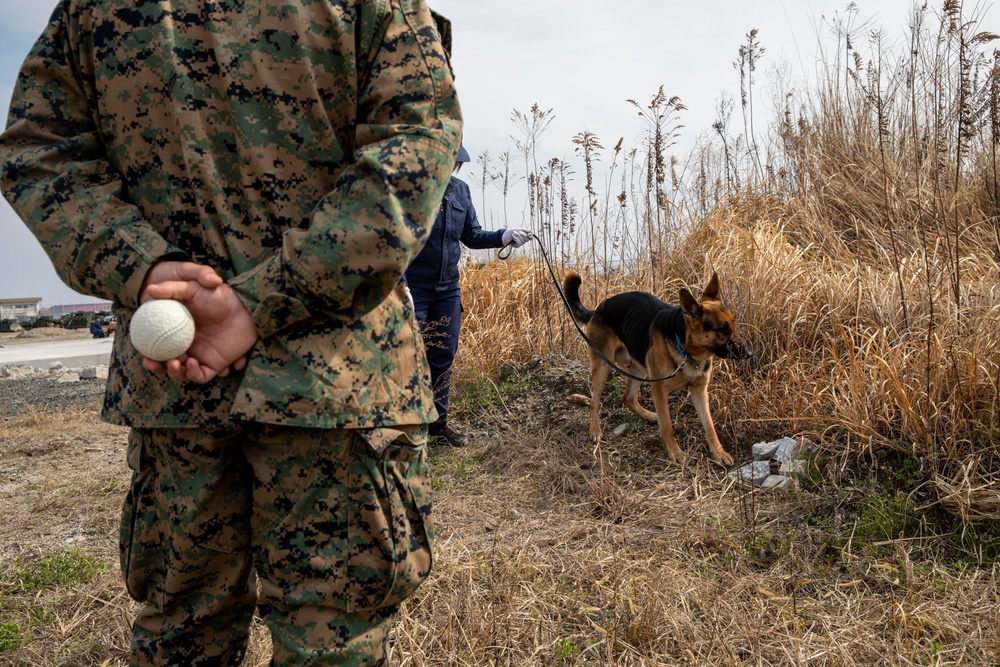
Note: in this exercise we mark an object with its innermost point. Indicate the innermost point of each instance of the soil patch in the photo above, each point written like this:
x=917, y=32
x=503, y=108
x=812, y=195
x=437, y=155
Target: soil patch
x=41, y=335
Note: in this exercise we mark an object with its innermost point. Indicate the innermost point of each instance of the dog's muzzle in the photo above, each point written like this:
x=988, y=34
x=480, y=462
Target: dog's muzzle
x=734, y=349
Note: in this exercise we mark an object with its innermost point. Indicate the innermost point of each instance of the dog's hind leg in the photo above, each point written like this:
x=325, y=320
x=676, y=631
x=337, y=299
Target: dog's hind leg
x=631, y=397
x=699, y=396
x=599, y=373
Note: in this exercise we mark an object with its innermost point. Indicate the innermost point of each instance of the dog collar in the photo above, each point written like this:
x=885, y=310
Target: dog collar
x=680, y=348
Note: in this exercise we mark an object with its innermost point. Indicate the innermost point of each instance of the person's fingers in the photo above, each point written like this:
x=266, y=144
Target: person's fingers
x=176, y=370
x=199, y=373
x=207, y=277
x=168, y=271
x=153, y=366
x=189, y=370
x=204, y=275
x=171, y=289
x=519, y=237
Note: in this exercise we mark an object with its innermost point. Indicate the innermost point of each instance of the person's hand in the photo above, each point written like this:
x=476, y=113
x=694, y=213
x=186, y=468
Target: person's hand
x=169, y=271
x=516, y=237
x=409, y=297
x=224, y=329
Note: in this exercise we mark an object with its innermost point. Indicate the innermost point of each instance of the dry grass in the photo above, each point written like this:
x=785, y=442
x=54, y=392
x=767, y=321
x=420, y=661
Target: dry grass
x=548, y=552
x=62, y=483
x=860, y=254
x=553, y=552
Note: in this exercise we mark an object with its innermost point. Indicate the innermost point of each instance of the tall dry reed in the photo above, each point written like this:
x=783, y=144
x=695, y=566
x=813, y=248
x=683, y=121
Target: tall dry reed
x=863, y=269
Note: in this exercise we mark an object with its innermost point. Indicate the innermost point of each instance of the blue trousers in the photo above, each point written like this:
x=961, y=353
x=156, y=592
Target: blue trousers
x=440, y=317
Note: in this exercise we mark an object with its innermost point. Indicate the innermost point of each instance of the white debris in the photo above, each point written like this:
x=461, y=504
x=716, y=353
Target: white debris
x=793, y=468
x=17, y=372
x=753, y=473
x=777, y=482
x=786, y=455
x=763, y=451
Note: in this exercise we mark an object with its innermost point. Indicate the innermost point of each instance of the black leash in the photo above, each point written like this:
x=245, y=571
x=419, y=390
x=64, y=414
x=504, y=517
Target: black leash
x=555, y=281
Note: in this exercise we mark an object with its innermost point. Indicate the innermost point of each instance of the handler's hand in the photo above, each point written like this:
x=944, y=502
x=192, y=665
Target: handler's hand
x=516, y=237
x=224, y=328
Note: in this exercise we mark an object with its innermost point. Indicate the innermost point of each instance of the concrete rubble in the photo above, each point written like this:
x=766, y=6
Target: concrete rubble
x=776, y=465
x=56, y=371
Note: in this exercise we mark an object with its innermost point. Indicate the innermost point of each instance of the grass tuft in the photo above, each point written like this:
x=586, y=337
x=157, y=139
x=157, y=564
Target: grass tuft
x=66, y=568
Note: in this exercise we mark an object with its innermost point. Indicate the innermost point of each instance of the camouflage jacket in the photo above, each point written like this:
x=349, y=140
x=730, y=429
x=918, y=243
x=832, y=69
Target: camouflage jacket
x=300, y=148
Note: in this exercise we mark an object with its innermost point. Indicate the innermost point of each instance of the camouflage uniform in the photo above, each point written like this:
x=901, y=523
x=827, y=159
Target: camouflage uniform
x=300, y=149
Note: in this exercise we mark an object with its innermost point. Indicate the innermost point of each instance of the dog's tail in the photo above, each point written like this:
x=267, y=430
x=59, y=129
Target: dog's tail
x=571, y=287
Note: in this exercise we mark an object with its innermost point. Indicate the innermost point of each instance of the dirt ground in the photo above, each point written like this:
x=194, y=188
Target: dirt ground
x=41, y=335
x=549, y=552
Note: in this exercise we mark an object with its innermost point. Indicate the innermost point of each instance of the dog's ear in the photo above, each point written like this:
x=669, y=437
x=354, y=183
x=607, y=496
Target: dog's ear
x=712, y=291
x=689, y=304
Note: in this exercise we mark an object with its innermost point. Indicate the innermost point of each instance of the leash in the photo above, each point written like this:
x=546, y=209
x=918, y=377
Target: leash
x=555, y=281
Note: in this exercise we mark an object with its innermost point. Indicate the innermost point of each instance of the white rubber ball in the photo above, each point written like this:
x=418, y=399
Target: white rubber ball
x=162, y=329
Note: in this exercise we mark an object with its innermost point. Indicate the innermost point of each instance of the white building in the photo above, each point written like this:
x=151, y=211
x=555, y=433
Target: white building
x=22, y=310
x=94, y=307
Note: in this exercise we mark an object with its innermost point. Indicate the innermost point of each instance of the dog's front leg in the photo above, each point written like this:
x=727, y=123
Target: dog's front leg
x=699, y=396
x=660, y=394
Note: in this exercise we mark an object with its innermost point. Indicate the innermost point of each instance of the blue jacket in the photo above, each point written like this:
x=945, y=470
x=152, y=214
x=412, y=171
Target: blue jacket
x=96, y=329
x=436, y=267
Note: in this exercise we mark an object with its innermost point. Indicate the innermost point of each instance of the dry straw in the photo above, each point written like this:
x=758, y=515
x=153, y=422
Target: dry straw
x=858, y=245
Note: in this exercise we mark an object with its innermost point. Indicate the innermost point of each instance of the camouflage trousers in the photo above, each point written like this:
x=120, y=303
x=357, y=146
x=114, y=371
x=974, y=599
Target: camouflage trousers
x=324, y=532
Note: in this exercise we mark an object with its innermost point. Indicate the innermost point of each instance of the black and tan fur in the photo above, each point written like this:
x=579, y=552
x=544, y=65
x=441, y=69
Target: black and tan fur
x=650, y=338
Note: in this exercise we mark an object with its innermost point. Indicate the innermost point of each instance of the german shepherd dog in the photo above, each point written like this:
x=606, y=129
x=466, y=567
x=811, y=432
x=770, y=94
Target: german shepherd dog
x=652, y=339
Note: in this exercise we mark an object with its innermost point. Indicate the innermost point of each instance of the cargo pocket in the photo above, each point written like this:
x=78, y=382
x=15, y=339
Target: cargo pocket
x=140, y=541
x=389, y=532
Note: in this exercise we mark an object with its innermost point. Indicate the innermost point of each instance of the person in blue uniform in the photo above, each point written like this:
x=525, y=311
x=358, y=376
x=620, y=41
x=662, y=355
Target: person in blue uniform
x=96, y=330
x=437, y=298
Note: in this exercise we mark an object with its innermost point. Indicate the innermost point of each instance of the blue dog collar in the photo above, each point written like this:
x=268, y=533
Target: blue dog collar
x=680, y=348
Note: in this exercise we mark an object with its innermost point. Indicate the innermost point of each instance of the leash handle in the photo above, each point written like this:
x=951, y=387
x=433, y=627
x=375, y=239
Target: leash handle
x=576, y=324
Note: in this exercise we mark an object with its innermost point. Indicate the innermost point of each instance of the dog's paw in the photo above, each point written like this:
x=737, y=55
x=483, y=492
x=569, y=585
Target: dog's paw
x=579, y=399
x=723, y=458
x=677, y=455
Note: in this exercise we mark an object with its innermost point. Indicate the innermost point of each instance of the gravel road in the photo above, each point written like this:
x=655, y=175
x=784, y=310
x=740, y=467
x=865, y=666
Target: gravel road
x=17, y=396
x=43, y=393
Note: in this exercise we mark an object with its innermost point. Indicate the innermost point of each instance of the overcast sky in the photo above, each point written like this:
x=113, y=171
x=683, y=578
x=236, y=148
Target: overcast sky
x=581, y=58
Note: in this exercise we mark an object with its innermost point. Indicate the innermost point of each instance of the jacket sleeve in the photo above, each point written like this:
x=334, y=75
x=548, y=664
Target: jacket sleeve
x=56, y=175
x=364, y=233
x=473, y=234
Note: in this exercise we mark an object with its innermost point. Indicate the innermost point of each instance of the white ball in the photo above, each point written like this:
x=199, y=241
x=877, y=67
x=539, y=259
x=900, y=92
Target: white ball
x=162, y=329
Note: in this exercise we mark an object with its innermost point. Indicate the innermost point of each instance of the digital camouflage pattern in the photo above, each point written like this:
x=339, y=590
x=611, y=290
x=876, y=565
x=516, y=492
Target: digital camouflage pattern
x=299, y=148
x=341, y=534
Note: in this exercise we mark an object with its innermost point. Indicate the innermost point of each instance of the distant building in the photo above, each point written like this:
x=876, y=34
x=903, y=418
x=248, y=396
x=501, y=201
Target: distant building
x=96, y=307
x=22, y=310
